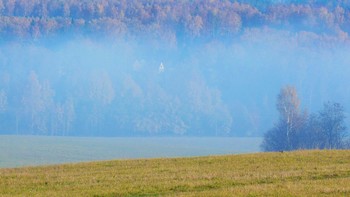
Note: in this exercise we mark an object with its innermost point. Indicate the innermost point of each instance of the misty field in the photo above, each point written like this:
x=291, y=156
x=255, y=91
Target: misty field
x=40, y=150
x=301, y=173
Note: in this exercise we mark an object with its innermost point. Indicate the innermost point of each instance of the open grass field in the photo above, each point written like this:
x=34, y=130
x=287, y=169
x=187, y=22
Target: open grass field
x=18, y=151
x=301, y=173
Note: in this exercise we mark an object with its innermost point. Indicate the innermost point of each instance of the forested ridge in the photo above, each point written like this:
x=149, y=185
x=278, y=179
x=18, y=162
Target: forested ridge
x=166, y=67
x=172, y=20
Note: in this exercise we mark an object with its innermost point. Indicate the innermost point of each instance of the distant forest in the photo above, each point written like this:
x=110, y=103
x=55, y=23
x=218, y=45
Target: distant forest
x=174, y=20
x=166, y=67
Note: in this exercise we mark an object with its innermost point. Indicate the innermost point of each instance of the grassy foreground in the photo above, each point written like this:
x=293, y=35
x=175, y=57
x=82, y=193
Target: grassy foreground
x=301, y=173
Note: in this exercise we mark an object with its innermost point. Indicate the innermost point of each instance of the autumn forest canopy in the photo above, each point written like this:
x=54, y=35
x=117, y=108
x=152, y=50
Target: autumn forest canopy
x=166, y=67
x=174, y=20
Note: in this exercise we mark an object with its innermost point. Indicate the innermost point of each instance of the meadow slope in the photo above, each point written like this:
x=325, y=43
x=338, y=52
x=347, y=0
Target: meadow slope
x=301, y=173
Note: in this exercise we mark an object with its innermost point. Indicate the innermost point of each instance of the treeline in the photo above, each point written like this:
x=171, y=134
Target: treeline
x=97, y=104
x=296, y=129
x=105, y=86
x=171, y=20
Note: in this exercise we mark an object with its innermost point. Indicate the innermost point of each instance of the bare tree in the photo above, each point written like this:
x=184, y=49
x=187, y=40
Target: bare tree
x=312, y=136
x=332, y=124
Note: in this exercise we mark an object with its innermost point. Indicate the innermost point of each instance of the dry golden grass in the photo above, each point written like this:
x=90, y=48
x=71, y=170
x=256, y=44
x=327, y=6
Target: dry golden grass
x=301, y=173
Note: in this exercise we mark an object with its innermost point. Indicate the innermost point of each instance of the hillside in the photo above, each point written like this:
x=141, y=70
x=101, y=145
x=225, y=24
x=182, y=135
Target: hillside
x=301, y=173
x=171, y=20
x=91, y=67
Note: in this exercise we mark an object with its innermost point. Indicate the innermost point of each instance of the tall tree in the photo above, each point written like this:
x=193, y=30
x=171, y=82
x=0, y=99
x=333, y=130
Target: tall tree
x=101, y=94
x=312, y=136
x=291, y=121
x=36, y=101
x=332, y=124
x=31, y=100
x=288, y=106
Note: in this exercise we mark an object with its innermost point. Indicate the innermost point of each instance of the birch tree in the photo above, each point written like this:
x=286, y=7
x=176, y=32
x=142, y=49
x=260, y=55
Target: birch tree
x=286, y=133
x=288, y=106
